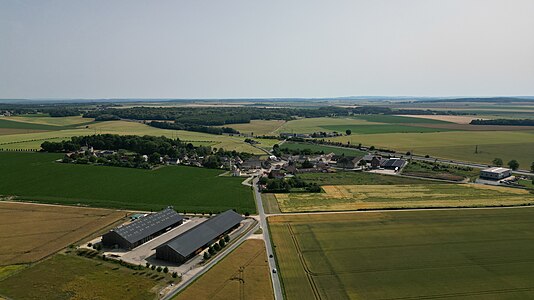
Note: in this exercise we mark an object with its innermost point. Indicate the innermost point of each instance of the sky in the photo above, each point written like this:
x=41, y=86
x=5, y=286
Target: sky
x=264, y=49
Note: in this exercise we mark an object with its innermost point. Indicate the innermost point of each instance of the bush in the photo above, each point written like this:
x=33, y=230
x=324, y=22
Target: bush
x=159, y=269
x=217, y=247
x=165, y=270
x=222, y=243
x=227, y=238
x=153, y=267
x=211, y=250
x=174, y=274
x=147, y=265
x=89, y=244
x=206, y=256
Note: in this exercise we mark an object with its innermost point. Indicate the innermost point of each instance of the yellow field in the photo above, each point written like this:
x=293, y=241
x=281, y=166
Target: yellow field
x=447, y=118
x=34, y=140
x=244, y=274
x=59, y=121
x=355, y=197
x=29, y=232
x=257, y=127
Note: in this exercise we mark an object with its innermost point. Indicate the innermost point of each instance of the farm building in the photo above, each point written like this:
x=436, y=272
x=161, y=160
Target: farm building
x=191, y=242
x=495, y=173
x=393, y=163
x=142, y=230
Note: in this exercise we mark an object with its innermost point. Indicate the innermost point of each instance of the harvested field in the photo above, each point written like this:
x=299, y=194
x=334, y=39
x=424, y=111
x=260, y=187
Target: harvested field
x=72, y=277
x=244, y=274
x=357, y=197
x=29, y=232
x=446, y=118
x=460, y=254
x=257, y=127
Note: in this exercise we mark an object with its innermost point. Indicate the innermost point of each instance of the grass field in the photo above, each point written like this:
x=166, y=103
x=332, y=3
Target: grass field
x=460, y=254
x=458, y=145
x=29, y=232
x=257, y=127
x=47, y=120
x=71, y=277
x=355, y=197
x=351, y=178
x=381, y=128
x=440, y=171
x=243, y=274
x=319, y=148
x=310, y=125
x=37, y=177
x=10, y=124
x=400, y=119
x=34, y=140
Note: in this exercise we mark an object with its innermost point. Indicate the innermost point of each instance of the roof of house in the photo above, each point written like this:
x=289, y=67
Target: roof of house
x=393, y=163
x=496, y=170
x=188, y=242
x=148, y=225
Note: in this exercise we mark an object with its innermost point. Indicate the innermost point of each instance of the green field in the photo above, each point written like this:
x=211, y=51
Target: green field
x=395, y=196
x=460, y=254
x=33, y=140
x=459, y=145
x=347, y=178
x=4, y=123
x=319, y=148
x=398, y=119
x=70, y=277
x=385, y=128
x=37, y=177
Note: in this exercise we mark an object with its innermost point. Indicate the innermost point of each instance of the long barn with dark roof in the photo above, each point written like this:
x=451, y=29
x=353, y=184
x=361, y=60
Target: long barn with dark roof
x=142, y=230
x=188, y=244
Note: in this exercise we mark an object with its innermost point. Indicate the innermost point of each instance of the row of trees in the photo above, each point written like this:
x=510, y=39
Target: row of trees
x=506, y=122
x=512, y=164
x=216, y=247
x=193, y=127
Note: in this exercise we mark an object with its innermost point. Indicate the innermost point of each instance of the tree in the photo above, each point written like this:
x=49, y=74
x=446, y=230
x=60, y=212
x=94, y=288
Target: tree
x=497, y=162
x=153, y=267
x=165, y=270
x=159, y=269
x=222, y=243
x=348, y=131
x=174, y=274
x=211, y=250
x=154, y=158
x=513, y=164
x=227, y=238
x=206, y=256
x=217, y=247
x=148, y=265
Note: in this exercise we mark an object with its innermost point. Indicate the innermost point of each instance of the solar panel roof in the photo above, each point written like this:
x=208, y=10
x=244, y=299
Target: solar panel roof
x=198, y=236
x=148, y=225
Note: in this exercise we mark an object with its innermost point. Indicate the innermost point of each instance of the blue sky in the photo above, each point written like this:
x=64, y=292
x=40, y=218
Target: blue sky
x=249, y=48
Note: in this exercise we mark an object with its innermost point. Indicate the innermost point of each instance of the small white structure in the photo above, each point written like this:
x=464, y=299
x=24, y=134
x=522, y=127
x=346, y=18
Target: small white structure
x=495, y=173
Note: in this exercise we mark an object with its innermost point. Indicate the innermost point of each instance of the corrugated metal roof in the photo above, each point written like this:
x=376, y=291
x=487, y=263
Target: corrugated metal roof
x=148, y=225
x=198, y=236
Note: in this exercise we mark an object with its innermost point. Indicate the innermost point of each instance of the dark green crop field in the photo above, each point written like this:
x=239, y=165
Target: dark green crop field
x=30, y=126
x=37, y=177
x=399, y=119
x=448, y=254
x=381, y=128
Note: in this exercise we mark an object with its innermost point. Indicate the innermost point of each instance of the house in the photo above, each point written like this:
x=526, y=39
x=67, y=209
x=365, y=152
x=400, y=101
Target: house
x=193, y=241
x=142, y=230
x=495, y=173
x=347, y=162
x=376, y=162
x=251, y=164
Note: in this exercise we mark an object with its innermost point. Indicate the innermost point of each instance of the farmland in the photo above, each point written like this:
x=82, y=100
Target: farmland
x=258, y=127
x=186, y=188
x=244, y=274
x=29, y=232
x=71, y=277
x=358, y=197
x=322, y=148
x=350, y=178
x=482, y=254
x=32, y=140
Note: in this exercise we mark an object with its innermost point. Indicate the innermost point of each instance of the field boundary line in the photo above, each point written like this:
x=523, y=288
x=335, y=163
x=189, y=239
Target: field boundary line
x=309, y=274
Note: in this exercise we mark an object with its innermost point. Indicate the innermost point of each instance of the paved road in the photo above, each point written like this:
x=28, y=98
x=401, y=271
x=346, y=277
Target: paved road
x=184, y=284
x=278, y=295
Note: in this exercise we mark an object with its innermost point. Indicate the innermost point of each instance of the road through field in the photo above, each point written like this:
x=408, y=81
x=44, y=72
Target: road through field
x=277, y=288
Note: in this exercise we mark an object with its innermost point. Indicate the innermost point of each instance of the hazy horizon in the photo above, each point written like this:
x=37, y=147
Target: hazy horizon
x=261, y=50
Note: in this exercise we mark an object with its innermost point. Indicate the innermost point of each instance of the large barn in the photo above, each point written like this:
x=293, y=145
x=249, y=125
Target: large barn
x=142, y=230
x=191, y=242
x=495, y=173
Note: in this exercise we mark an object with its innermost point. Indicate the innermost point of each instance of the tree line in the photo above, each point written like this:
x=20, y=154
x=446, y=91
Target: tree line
x=507, y=122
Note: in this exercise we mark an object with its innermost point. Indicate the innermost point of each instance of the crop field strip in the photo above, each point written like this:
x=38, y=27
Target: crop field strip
x=188, y=189
x=244, y=274
x=406, y=255
x=366, y=197
x=30, y=232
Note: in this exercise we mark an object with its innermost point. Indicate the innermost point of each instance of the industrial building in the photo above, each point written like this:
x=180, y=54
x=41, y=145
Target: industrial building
x=393, y=163
x=495, y=173
x=188, y=244
x=142, y=230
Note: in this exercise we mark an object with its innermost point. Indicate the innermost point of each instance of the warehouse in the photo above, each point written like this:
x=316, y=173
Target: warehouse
x=495, y=173
x=193, y=241
x=142, y=230
x=393, y=163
